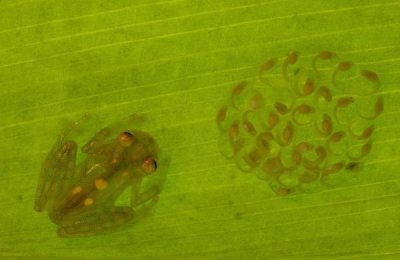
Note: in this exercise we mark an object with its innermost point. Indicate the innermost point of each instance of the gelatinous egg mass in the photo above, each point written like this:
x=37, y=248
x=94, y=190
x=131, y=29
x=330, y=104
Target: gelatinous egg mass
x=304, y=123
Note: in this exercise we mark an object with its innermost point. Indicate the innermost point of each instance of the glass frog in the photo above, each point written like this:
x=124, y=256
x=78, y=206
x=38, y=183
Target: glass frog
x=80, y=197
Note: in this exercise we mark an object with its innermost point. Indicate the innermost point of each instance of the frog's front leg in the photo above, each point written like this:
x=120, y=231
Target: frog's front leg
x=97, y=221
x=143, y=201
x=56, y=175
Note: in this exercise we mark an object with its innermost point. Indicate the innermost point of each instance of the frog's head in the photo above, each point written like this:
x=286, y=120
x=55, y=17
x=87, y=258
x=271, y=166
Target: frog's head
x=141, y=150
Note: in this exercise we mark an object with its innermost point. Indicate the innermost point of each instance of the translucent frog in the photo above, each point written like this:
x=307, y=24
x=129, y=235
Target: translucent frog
x=80, y=197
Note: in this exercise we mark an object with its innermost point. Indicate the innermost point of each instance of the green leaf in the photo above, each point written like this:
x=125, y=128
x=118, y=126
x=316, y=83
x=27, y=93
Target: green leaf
x=175, y=61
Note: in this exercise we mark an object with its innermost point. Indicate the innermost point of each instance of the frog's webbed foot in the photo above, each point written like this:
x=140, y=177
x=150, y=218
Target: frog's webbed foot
x=56, y=175
x=111, y=131
x=144, y=202
x=98, y=221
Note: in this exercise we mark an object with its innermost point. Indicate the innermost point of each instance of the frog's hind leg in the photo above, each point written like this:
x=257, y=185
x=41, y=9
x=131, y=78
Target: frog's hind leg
x=59, y=167
x=102, y=136
x=97, y=221
x=57, y=171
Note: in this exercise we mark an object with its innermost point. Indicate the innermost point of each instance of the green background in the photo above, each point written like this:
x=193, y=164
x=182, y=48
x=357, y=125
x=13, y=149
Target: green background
x=175, y=62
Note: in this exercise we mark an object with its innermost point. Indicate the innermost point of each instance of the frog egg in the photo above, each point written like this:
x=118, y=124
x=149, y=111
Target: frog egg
x=304, y=124
x=303, y=114
x=289, y=179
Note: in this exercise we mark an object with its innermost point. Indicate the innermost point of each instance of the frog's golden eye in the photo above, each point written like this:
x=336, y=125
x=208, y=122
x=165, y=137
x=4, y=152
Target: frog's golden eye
x=149, y=165
x=125, y=139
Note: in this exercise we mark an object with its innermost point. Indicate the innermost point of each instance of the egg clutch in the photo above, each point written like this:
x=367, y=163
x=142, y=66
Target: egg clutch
x=304, y=123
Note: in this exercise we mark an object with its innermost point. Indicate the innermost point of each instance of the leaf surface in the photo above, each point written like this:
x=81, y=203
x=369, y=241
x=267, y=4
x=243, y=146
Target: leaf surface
x=176, y=61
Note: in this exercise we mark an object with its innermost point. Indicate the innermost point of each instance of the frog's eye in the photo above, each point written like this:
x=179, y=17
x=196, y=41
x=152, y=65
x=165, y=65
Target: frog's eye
x=125, y=139
x=149, y=165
